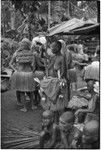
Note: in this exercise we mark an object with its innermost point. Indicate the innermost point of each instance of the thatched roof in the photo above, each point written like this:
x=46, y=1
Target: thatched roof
x=67, y=26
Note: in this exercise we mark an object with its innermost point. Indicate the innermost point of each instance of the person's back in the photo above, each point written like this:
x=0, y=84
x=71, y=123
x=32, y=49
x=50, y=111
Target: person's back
x=22, y=79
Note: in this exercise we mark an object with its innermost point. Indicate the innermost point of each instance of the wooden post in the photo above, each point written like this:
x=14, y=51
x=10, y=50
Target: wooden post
x=68, y=9
x=98, y=11
x=49, y=3
x=13, y=17
x=29, y=26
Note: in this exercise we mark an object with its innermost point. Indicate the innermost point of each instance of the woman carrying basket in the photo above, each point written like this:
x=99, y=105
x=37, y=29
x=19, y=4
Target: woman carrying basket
x=22, y=79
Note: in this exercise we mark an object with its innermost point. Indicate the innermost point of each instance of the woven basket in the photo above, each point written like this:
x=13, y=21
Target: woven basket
x=24, y=56
x=92, y=72
x=77, y=102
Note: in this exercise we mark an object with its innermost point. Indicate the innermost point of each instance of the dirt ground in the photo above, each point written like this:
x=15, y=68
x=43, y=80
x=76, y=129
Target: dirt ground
x=13, y=118
x=11, y=114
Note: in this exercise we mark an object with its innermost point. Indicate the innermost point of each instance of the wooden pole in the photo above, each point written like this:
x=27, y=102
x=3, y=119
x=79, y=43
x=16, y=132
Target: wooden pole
x=49, y=3
x=13, y=17
x=98, y=11
x=68, y=9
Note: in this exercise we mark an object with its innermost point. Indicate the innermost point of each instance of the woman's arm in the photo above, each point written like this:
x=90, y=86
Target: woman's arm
x=40, y=62
x=62, y=68
x=51, y=62
x=13, y=60
x=34, y=63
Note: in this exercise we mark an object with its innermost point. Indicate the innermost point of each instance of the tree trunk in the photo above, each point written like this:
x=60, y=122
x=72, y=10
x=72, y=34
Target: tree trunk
x=29, y=27
x=98, y=11
x=13, y=18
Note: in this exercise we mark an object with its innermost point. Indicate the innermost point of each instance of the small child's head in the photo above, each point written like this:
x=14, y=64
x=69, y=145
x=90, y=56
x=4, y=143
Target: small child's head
x=47, y=117
x=66, y=121
x=90, y=132
x=56, y=47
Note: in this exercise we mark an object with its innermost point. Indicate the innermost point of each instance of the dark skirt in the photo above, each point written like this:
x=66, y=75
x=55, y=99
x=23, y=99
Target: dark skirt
x=72, y=75
x=92, y=116
x=23, y=81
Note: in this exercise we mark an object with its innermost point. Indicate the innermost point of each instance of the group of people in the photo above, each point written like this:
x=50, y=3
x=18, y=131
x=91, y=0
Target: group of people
x=76, y=128
x=30, y=58
x=66, y=134
x=72, y=126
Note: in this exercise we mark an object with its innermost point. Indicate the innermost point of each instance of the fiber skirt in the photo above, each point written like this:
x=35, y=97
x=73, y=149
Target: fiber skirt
x=23, y=81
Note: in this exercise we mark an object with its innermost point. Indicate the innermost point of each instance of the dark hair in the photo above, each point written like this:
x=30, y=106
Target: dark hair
x=59, y=45
x=87, y=80
x=81, y=117
x=98, y=50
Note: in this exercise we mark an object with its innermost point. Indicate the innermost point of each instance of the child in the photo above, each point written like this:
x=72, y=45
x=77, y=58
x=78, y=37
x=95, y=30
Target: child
x=47, y=128
x=64, y=133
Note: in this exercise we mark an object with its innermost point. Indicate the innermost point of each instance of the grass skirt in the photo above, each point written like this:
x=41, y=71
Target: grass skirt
x=23, y=81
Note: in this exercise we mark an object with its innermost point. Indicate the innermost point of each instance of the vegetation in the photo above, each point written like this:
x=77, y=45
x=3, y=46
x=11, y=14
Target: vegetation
x=36, y=13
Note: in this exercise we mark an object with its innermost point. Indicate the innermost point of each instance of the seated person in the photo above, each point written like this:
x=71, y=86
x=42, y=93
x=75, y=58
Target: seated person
x=90, y=137
x=93, y=109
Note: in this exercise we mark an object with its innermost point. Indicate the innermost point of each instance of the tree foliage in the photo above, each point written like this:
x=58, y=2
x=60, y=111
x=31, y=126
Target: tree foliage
x=38, y=12
x=26, y=6
x=5, y=16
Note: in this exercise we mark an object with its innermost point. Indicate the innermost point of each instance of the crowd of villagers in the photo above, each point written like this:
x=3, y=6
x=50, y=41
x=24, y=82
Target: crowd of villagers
x=45, y=75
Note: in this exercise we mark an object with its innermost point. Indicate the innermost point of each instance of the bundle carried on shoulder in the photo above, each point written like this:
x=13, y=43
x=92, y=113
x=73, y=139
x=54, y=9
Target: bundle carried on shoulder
x=24, y=56
x=50, y=87
x=77, y=102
